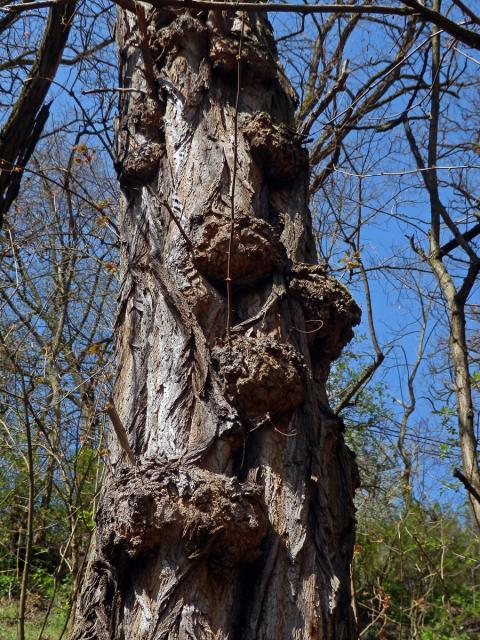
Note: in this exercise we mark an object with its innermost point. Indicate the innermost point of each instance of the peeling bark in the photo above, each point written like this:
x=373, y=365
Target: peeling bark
x=238, y=521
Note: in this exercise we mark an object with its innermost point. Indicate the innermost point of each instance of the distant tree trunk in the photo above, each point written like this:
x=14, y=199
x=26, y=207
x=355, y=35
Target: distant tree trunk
x=237, y=521
x=22, y=130
x=455, y=290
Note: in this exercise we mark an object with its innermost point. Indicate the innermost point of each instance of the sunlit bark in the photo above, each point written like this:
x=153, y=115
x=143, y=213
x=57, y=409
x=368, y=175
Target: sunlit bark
x=237, y=520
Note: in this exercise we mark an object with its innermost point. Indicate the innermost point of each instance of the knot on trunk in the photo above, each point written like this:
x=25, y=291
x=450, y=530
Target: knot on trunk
x=256, y=251
x=329, y=310
x=212, y=515
x=142, y=163
x=257, y=63
x=261, y=375
x=258, y=48
x=170, y=32
x=147, y=117
x=275, y=147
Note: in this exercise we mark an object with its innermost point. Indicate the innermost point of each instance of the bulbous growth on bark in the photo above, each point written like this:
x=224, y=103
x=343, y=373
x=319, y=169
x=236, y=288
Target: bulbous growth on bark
x=261, y=375
x=329, y=310
x=258, y=253
x=153, y=509
x=142, y=162
x=146, y=118
x=276, y=147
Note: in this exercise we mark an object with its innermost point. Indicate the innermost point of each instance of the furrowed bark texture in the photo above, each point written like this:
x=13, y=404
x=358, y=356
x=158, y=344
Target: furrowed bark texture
x=238, y=521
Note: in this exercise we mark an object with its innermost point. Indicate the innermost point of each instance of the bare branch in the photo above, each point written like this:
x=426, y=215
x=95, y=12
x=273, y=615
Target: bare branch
x=234, y=6
x=468, y=486
x=25, y=124
x=452, y=244
x=120, y=431
x=435, y=17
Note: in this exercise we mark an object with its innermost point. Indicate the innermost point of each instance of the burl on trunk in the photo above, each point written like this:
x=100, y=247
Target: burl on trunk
x=237, y=521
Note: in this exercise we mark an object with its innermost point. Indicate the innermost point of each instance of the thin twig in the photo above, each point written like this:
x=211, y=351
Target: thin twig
x=120, y=431
x=228, y=279
x=172, y=215
x=368, y=372
x=467, y=484
x=87, y=92
x=179, y=226
x=353, y=389
x=30, y=513
x=272, y=299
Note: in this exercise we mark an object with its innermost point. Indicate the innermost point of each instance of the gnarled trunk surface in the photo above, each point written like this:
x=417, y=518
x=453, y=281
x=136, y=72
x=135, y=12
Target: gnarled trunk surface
x=238, y=521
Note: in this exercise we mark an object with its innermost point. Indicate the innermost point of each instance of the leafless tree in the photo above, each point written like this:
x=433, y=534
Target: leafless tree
x=57, y=275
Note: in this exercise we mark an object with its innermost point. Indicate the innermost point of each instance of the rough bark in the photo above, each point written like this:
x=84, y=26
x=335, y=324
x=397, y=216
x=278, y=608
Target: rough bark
x=238, y=520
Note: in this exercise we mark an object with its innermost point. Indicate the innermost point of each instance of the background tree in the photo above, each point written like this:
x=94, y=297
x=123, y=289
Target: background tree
x=57, y=273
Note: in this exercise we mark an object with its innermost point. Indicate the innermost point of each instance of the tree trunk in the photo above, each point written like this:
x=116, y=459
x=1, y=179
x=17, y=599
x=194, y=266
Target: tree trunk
x=463, y=391
x=237, y=520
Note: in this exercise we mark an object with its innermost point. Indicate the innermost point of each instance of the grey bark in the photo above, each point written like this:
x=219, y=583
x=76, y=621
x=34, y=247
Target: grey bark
x=237, y=520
